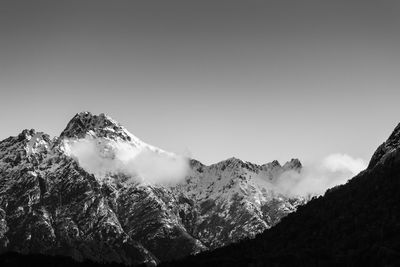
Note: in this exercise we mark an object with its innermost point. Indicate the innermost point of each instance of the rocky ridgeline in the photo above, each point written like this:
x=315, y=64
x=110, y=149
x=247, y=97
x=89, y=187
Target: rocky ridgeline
x=49, y=204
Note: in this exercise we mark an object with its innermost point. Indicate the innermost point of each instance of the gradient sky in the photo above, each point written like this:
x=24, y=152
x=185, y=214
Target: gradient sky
x=259, y=80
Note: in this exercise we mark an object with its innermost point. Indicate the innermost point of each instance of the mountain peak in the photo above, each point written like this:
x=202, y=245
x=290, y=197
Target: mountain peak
x=271, y=165
x=293, y=164
x=86, y=123
x=232, y=161
x=26, y=134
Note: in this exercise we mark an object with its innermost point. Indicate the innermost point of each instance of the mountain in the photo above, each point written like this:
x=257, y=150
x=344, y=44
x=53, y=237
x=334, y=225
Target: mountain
x=52, y=201
x=356, y=224
x=234, y=200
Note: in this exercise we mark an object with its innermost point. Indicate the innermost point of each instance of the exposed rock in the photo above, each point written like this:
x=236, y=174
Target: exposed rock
x=49, y=204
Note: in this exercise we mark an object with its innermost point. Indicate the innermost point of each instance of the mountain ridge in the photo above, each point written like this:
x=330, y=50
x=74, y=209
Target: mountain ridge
x=50, y=204
x=355, y=224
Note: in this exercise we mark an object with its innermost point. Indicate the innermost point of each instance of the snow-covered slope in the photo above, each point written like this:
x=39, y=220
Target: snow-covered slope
x=236, y=199
x=51, y=203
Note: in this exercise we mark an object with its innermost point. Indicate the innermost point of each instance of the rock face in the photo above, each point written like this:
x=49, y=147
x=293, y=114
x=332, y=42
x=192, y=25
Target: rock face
x=50, y=204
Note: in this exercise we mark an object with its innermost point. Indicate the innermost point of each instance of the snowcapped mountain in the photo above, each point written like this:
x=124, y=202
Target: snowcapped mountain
x=235, y=199
x=53, y=202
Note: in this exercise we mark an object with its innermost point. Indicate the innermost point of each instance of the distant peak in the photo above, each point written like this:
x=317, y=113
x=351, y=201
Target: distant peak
x=232, y=162
x=293, y=164
x=272, y=164
x=195, y=163
x=84, y=114
x=85, y=123
x=88, y=117
x=232, y=159
x=275, y=162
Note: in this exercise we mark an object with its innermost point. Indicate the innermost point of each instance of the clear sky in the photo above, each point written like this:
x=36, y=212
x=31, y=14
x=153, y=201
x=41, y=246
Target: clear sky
x=258, y=80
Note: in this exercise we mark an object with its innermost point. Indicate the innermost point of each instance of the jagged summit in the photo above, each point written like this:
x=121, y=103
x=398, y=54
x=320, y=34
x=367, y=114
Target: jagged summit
x=232, y=161
x=271, y=165
x=83, y=122
x=293, y=164
x=25, y=144
x=86, y=123
x=26, y=134
x=107, y=131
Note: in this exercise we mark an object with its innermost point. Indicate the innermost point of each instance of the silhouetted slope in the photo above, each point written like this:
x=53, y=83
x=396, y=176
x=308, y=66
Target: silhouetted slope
x=354, y=224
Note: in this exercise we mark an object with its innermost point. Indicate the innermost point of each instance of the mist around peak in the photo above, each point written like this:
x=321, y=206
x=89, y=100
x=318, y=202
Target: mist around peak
x=104, y=158
x=316, y=177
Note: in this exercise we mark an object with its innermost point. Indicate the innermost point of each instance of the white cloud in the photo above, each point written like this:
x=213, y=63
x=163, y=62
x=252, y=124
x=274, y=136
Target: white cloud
x=343, y=162
x=104, y=157
x=316, y=178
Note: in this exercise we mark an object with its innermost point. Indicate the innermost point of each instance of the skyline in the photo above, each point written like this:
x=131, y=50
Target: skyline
x=213, y=79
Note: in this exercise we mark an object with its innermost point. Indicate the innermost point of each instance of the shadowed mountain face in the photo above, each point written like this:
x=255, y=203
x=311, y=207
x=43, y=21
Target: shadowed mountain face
x=356, y=224
x=51, y=204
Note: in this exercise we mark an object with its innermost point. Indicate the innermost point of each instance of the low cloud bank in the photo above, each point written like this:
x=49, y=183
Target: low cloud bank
x=109, y=158
x=316, y=178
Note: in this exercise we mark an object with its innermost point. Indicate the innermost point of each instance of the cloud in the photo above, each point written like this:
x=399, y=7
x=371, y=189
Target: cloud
x=343, y=163
x=109, y=158
x=316, y=178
